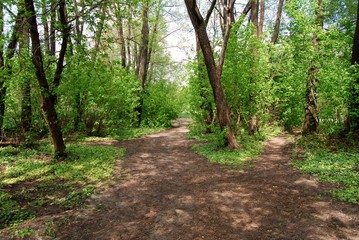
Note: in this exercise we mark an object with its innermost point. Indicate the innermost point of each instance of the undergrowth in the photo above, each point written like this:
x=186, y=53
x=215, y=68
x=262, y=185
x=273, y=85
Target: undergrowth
x=336, y=162
x=214, y=150
x=31, y=183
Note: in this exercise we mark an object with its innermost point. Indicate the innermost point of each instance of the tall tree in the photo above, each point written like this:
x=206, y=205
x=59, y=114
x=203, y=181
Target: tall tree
x=215, y=70
x=5, y=59
x=48, y=96
x=311, y=118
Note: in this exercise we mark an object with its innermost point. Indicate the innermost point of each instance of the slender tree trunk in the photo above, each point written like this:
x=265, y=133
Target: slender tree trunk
x=143, y=59
x=46, y=25
x=6, y=67
x=26, y=107
x=262, y=12
x=122, y=43
x=145, y=32
x=53, y=27
x=253, y=123
x=100, y=29
x=311, y=118
x=47, y=96
x=277, y=22
x=214, y=71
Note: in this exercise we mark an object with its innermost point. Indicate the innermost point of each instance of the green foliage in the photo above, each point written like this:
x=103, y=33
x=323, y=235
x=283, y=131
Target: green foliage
x=30, y=181
x=99, y=97
x=199, y=91
x=292, y=59
x=213, y=148
x=245, y=79
x=339, y=166
x=161, y=104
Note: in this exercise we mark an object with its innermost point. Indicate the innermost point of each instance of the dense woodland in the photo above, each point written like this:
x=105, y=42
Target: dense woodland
x=94, y=67
x=70, y=69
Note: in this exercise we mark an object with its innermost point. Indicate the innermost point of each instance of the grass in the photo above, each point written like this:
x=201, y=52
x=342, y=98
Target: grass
x=213, y=147
x=332, y=162
x=119, y=134
x=31, y=183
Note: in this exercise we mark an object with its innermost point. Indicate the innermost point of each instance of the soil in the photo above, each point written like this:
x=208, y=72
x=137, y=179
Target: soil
x=164, y=190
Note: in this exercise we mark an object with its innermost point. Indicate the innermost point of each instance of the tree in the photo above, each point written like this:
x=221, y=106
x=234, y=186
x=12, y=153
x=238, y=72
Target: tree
x=5, y=66
x=215, y=70
x=277, y=22
x=48, y=96
x=311, y=118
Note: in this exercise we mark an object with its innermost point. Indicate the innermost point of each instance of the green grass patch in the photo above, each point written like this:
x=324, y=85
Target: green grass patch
x=331, y=163
x=213, y=146
x=119, y=134
x=131, y=133
x=31, y=183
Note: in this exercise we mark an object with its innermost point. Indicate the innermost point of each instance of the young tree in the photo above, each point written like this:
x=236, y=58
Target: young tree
x=311, y=118
x=215, y=70
x=48, y=96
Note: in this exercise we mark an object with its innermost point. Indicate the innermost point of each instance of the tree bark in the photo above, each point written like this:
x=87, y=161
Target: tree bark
x=311, y=118
x=214, y=71
x=145, y=32
x=53, y=28
x=261, y=22
x=253, y=123
x=26, y=107
x=47, y=96
x=277, y=22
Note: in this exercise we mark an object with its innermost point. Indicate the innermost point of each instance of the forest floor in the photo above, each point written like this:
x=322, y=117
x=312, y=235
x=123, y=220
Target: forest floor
x=164, y=190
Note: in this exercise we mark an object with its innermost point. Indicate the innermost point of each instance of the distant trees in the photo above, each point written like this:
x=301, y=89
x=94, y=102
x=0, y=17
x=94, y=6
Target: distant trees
x=288, y=69
x=98, y=67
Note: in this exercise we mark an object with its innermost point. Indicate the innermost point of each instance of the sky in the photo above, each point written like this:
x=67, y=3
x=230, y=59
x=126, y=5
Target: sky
x=181, y=38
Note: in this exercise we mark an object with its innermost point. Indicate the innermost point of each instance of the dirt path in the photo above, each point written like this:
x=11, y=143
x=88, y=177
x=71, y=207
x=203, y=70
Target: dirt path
x=170, y=192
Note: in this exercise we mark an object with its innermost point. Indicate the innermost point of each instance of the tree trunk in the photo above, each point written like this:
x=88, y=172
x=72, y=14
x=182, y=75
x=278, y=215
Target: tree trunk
x=6, y=68
x=53, y=28
x=100, y=28
x=45, y=24
x=262, y=12
x=47, y=96
x=311, y=118
x=145, y=32
x=143, y=59
x=214, y=71
x=277, y=22
x=26, y=107
x=253, y=123
x=122, y=43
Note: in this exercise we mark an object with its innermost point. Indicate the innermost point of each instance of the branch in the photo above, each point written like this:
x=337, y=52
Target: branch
x=228, y=9
x=65, y=39
x=209, y=12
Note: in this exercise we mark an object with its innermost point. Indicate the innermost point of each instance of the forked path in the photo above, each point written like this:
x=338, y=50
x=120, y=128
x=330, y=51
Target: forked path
x=169, y=192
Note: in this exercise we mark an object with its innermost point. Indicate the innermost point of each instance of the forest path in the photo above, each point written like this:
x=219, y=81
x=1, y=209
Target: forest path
x=169, y=192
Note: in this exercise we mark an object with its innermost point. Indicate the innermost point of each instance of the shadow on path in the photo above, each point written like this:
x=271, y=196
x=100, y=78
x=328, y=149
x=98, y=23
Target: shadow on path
x=169, y=192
